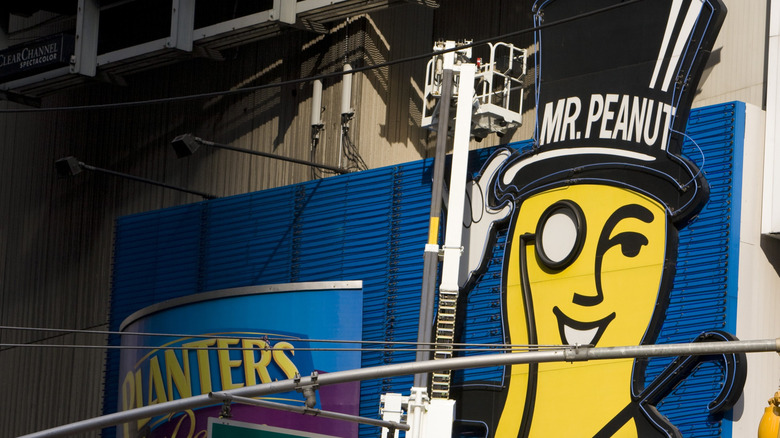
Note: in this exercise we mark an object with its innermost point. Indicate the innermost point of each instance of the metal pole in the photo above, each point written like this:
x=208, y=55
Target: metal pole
x=431, y=255
x=452, y=249
x=144, y=180
x=269, y=155
x=460, y=156
x=565, y=354
x=308, y=411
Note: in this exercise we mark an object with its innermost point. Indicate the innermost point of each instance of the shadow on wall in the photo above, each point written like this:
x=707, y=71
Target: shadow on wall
x=400, y=86
x=358, y=41
x=227, y=118
x=771, y=247
x=136, y=140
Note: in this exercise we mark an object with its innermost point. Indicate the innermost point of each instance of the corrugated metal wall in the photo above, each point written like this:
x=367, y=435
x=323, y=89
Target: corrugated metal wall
x=55, y=252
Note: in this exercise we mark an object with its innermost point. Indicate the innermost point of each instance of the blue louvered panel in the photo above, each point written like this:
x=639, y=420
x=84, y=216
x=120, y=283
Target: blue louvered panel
x=482, y=319
x=369, y=211
x=698, y=300
x=319, y=230
x=157, y=256
x=342, y=232
x=409, y=229
x=394, y=312
x=248, y=240
x=686, y=407
x=366, y=213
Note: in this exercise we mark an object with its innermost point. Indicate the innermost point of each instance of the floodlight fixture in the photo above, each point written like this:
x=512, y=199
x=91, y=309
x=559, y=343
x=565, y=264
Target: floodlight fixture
x=68, y=166
x=186, y=144
x=71, y=166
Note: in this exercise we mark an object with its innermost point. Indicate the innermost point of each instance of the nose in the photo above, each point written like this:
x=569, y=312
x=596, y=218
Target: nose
x=588, y=300
x=596, y=295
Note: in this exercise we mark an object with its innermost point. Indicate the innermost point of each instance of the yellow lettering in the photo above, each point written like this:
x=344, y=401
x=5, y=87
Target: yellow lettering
x=225, y=364
x=284, y=362
x=204, y=369
x=177, y=382
x=139, y=399
x=156, y=385
x=128, y=397
x=128, y=391
x=252, y=368
x=177, y=376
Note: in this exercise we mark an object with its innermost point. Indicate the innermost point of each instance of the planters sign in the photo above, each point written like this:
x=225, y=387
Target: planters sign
x=593, y=213
x=231, y=344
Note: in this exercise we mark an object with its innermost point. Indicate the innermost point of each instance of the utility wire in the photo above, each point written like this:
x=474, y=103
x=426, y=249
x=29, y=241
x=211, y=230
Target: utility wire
x=49, y=338
x=426, y=55
x=496, y=348
x=266, y=338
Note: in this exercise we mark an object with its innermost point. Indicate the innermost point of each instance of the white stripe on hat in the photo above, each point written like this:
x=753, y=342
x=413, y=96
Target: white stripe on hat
x=676, y=6
x=690, y=21
x=510, y=173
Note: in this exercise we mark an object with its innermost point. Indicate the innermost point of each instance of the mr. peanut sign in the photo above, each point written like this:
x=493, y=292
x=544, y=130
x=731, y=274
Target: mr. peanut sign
x=592, y=214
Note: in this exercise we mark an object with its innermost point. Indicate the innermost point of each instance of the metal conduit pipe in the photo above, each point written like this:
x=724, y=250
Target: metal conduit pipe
x=308, y=411
x=565, y=354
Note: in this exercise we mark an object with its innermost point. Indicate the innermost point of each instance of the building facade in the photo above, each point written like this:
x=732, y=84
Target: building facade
x=233, y=80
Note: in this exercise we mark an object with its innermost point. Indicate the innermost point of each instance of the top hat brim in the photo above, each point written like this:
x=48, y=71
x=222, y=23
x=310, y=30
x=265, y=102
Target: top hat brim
x=675, y=182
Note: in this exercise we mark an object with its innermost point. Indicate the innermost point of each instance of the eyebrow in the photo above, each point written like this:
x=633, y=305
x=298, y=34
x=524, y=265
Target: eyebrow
x=635, y=211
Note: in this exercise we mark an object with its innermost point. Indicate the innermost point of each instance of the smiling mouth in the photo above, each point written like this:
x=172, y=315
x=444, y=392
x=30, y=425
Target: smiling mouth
x=575, y=332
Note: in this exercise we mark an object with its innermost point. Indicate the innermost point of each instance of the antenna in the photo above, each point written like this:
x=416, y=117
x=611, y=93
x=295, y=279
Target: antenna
x=346, y=95
x=316, y=113
x=347, y=148
x=316, y=104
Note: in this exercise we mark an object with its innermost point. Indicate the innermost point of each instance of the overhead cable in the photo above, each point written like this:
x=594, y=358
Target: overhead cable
x=322, y=76
x=259, y=336
x=496, y=348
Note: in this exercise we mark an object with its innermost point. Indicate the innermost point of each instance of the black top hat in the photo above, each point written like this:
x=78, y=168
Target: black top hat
x=614, y=90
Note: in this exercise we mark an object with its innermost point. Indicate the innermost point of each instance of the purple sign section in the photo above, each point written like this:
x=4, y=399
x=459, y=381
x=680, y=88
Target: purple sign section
x=232, y=338
x=191, y=424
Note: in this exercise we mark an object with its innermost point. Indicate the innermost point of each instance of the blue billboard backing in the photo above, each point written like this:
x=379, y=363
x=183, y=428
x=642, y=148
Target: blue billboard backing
x=372, y=227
